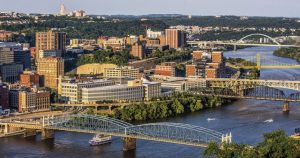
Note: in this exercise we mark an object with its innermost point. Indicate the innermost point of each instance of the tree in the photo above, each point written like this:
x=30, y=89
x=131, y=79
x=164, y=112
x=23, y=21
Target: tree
x=177, y=107
x=275, y=145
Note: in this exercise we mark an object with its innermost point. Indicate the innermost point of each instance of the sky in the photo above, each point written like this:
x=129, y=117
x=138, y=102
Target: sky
x=282, y=8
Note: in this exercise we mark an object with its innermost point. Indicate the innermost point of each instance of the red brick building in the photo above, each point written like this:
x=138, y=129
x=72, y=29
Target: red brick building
x=32, y=52
x=190, y=70
x=211, y=73
x=217, y=57
x=138, y=50
x=29, y=79
x=197, y=55
x=166, y=69
x=175, y=38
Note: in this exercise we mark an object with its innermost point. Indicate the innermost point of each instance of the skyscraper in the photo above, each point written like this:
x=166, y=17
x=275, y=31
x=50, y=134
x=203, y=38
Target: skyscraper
x=50, y=41
x=175, y=38
x=62, y=10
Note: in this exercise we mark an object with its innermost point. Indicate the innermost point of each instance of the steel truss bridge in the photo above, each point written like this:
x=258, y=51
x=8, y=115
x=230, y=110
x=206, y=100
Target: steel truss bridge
x=163, y=132
x=249, y=89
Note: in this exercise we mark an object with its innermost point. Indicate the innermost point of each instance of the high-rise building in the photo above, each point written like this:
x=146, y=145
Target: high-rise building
x=11, y=72
x=4, y=97
x=50, y=41
x=9, y=55
x=138, y=50
x=50, y=69
x=62, y=10
x=175, y=38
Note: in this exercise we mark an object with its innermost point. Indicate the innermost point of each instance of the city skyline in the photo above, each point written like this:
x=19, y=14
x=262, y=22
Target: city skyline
x=136, y=7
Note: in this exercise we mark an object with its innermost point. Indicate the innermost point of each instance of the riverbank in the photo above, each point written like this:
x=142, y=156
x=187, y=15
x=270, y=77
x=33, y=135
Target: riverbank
x=292, y=53
x=181, y=103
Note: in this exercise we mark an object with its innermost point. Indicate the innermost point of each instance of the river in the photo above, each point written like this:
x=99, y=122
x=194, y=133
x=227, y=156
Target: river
x=246, y=119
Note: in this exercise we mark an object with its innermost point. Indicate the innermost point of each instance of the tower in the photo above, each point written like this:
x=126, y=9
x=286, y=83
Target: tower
x=62, y=10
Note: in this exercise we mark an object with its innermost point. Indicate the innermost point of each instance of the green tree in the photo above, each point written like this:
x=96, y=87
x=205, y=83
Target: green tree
x=177, y=107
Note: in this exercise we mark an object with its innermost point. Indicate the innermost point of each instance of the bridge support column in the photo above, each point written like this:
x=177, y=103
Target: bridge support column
x=286, y=107
x=29, y=133
x=47, y=134
x=129, y=144
x=235, y=48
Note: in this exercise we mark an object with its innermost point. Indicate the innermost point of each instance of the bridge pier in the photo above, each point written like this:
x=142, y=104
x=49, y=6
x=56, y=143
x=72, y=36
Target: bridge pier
x=129, y=144
x=235, y=48
x=29, y=133
x=286, y=107
x=47, y=134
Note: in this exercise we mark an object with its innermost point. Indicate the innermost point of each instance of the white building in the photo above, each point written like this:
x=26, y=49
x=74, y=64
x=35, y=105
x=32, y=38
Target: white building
x=152, y=89
x=153, y=34
x=71, y=91
x=113, y=93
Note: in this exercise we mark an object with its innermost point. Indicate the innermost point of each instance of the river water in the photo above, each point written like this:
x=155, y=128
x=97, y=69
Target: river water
x=248, y=120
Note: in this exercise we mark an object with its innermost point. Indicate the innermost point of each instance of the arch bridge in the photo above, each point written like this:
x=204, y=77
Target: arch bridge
x=177, y=133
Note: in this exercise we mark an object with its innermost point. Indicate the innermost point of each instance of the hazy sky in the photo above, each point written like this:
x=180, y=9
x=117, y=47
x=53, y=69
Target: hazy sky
x=287, y=8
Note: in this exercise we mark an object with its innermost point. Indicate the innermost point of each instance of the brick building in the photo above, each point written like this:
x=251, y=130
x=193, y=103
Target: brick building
x=29, y=79
x=138, y=50
x=166, y=69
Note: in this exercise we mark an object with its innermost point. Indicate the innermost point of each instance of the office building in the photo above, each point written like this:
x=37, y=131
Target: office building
x=50, y=41
x=50, y=69
x=49, y=53
x=131, y=92
x=138, y=50
x=175, y=38
x=29, y=79
x=4, y=97
x=166, y=69
x=27, y=101
x=71, y=90
x=30, y=101
x=14, y=54
x=11, y=72
x=152, y=90
x=42, y=101
x=120, y=72
x=14, y=98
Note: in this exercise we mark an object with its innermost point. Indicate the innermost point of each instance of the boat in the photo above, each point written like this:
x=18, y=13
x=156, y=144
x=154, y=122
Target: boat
x=211, y=119
x=100, y=139
x=269, y=121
